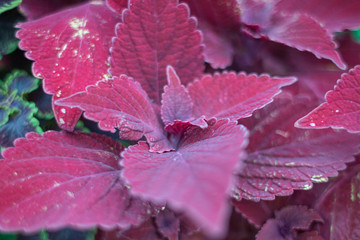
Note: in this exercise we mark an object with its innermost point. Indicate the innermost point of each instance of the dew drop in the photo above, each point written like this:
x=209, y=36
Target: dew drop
x=70, y=194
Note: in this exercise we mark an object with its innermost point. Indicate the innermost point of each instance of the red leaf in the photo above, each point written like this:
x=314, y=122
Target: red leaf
x=70, y=50
x=154, y=34
x=340, y=207
x=228, y=95
x=168, y=224
x=305, y=34
x=342, y=106
x=219, y=22
x=314, y=235
x=121, y=103
x=64, y=179
x=218, y=49
x=257, y=13
x=176, y=103
x=146, y=231
x=282, y=158
x=196, y=177
x=335, y=15
x=218, y=13
x=297, y=30
x=165, y=225
x=257, y=213
x=286, y=222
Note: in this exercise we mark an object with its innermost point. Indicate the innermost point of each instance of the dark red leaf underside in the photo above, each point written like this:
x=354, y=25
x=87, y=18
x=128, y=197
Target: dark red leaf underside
x=70, y=50
x=335, y=15
x=227, y=95
x=154, y=34
x=34, y=9
x=146, y=231
x=164, y=225
x=64, y=179
x=121, y=103
x=257, y=213
x=282, y=158
x=286, y=222
x=218, y=13
x=342, y=106
x=194, y=178
x=341, y=207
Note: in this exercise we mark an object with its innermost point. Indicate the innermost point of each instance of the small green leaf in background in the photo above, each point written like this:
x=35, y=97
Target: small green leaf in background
x=6, y=5
x=16, y=112
x=8, y=20
x=7, y=237
x=356, y=35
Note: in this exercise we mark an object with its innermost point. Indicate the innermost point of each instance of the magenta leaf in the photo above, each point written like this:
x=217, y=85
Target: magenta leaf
x=218, y=49
x=194, y=178
x=70, y=50
x=227, y=95
x=342, y=106
x=335, y=15
x=219, y=22
x=296, y=30
x=64, y=179
x=177, y=106
x=282, y=158
x=154, y=34
x=117, y=5
x=286, y=223
x=305, y=34
x=121, y=103
x=257, y=13
x=176, y=103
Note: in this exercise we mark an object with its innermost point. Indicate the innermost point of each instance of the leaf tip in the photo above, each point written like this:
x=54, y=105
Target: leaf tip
x=172, y=77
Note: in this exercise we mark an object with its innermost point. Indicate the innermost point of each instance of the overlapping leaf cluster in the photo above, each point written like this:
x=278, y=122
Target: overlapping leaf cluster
x=205, y=139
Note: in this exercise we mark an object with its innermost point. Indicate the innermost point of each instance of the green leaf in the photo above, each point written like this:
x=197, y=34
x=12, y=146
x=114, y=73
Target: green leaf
x=6, y=5
x=7, y=237
x=16, y=113
x=356, y=35
x=19, y=82
x=8, y=42
x=20, y=122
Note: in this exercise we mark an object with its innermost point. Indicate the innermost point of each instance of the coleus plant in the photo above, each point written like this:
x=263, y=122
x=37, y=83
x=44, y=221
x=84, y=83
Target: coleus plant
x=200, y=138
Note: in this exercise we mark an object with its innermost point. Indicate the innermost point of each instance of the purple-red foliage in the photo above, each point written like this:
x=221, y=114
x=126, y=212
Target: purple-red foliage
x=205, y=142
